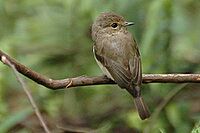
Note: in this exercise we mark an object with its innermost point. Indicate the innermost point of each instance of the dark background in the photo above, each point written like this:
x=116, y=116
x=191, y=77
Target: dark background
x=53, y=38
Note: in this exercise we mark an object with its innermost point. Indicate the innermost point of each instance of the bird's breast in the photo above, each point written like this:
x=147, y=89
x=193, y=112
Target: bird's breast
x=115, y=45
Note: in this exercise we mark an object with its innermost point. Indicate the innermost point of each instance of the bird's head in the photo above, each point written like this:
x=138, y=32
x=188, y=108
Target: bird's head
x=109, y=23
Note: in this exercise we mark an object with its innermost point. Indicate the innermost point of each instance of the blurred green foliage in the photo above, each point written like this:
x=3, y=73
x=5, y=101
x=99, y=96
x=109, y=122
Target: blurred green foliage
x=53, y=38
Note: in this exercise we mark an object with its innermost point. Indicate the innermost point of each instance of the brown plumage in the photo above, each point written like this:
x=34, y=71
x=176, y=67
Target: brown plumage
x=117, y=54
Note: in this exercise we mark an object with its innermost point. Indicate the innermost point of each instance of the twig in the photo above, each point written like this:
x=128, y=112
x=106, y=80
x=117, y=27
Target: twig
x=161, y=106
x=74, y=129
x=37, y=112
x=98, y=80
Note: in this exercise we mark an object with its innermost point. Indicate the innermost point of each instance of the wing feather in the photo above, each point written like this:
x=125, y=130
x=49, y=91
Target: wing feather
x=127, y=73
x=121, y=76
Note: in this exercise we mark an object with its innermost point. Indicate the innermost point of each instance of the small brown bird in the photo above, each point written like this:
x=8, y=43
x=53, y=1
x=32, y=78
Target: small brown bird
x=117, y=54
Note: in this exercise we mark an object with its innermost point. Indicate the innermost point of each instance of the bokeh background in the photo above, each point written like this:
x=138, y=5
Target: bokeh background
x=52, y=37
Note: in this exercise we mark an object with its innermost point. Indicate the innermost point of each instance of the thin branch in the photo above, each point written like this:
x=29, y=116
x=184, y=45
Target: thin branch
x=98, y=80
x=37, y=112
x=73, y=129
x=167, y=99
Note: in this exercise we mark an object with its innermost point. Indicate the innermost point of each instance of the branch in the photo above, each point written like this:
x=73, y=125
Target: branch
x=30, y=98
x=98, y=80
x=161, y=106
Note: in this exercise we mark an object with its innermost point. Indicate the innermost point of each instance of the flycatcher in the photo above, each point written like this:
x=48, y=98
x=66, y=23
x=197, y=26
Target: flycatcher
x=117, y=54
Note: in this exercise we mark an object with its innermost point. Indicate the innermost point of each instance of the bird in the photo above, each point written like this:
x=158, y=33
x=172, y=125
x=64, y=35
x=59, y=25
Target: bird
x=117, y=54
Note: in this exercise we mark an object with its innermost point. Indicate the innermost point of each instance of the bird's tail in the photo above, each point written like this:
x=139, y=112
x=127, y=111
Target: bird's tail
x=142, y=108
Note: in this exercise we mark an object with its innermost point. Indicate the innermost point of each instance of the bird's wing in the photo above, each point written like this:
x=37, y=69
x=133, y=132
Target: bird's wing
x=126, y=75
x=136, y=68
x=121, y=76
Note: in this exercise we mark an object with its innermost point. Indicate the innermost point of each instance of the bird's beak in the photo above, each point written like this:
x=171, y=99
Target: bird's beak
x=129, y=23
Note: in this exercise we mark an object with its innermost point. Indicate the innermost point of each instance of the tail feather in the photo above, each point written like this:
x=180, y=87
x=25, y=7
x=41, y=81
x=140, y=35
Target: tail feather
x=142, y=108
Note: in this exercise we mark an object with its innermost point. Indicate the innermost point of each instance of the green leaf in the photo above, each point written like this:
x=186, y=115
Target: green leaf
x=196, y=128
x=14, y=119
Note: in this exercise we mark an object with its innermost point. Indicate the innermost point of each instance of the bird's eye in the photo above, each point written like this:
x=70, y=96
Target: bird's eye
x=114, y=25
